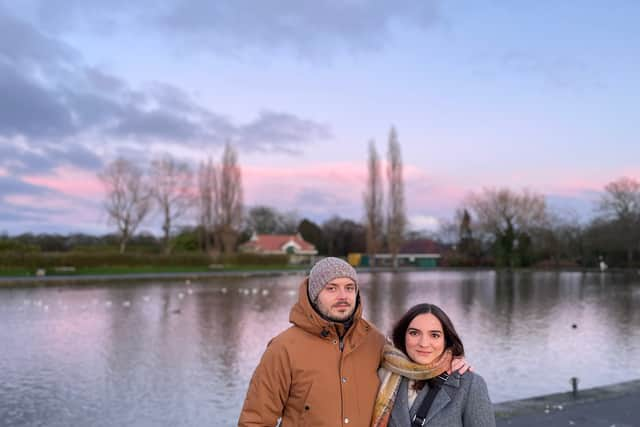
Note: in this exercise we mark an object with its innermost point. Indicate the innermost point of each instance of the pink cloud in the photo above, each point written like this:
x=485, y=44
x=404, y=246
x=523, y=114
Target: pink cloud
x=343, y=171
x=347, y=180
x=337, y=188
x=429, y=193
x=566, y=180
x=325, y=189
x=284, y=184
x=69, y=181
x=594, y=181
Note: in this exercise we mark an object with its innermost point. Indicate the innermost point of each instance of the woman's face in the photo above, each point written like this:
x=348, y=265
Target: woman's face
x=424, y=339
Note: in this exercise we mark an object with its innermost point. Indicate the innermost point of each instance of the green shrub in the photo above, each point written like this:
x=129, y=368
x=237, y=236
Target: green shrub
x=7, y=245
x=241, y=259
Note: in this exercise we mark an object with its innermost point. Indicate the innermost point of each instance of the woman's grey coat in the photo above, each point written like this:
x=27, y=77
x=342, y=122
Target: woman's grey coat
x=462, y=401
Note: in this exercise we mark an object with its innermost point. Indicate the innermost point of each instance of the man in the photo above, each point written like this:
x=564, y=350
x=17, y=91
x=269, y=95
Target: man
x=322, y=371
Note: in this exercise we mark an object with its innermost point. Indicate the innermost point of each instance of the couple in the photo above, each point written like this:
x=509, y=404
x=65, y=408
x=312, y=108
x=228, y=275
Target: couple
x=332, y=368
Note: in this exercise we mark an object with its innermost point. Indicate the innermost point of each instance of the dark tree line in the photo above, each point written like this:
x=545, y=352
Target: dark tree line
x=336, y=236
x=509, y=229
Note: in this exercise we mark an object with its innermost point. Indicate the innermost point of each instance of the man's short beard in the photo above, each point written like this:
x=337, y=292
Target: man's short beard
x=325, y=314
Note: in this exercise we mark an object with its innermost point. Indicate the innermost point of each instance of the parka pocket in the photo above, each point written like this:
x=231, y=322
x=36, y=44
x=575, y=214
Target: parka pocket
x=307, y=406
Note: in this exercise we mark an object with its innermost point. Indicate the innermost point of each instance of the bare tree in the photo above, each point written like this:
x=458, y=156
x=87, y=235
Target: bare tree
x=267, y=220
x=373, y=204
x=262, y=220
x=171, y=186
x=288, y=222
x=229, y=195
x=621, y=204
x=508, y=217
x=397, y=217
x=208, y=203
x=128, y=198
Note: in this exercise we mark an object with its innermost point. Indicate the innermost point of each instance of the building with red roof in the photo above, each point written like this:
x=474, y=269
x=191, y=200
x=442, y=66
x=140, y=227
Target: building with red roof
x=279, y=244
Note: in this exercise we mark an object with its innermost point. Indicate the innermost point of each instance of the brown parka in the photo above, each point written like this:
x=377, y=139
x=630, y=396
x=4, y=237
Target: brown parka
x=308, y=376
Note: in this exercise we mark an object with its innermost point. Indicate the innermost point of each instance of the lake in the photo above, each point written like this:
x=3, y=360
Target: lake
x=182, y=353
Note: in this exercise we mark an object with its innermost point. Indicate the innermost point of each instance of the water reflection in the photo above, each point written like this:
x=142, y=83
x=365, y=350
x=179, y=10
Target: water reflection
x=182, y=354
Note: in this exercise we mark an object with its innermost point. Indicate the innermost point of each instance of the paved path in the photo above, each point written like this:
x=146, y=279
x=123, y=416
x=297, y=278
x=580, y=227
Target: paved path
x=612, y=406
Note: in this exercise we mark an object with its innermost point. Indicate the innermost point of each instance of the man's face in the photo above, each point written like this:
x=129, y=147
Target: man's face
x=337, y=300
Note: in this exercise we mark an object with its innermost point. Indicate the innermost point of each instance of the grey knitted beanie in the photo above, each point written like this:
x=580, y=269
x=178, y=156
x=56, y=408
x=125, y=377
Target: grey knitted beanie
x=325, y=271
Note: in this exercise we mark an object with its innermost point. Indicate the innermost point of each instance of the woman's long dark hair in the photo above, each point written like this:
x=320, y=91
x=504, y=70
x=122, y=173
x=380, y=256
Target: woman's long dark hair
x=451, y=338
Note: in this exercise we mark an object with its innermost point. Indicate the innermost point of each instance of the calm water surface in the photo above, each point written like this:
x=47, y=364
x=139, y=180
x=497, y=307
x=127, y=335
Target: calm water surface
x=180, y=354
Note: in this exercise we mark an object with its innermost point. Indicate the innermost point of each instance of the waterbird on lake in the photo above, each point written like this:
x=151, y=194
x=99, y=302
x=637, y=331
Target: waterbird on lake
x=190, y=291
x=223, y=290
x=180, y=295
x=126, y=304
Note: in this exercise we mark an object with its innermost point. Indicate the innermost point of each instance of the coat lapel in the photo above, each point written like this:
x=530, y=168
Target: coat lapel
x=400, y=411
x=443, y=398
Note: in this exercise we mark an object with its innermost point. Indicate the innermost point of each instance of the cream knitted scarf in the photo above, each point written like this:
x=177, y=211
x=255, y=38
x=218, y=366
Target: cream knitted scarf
x=395, y=365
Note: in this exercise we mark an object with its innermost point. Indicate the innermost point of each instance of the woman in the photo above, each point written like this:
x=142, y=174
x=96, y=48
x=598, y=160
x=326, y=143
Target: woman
x=415, y=388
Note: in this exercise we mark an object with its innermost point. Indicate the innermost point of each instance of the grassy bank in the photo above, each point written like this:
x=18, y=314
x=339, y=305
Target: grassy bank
x=78, y=264
x=17, y=272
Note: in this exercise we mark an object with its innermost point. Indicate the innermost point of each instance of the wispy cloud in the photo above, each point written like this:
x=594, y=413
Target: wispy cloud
x=308, y=29
x=563, y=72
x=550, y=70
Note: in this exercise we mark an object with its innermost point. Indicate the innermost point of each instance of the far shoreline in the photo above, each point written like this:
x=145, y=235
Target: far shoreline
x=79, y=279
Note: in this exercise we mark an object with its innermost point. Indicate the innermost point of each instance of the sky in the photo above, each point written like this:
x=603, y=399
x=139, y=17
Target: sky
x=483, y=94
